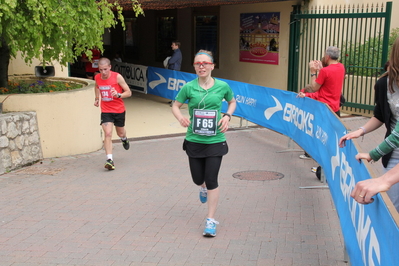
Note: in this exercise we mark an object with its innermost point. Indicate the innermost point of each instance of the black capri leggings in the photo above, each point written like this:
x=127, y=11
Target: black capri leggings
x=205, y=170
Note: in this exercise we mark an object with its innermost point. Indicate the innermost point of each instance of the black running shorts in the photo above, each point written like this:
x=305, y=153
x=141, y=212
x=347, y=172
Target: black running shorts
x=117, y=119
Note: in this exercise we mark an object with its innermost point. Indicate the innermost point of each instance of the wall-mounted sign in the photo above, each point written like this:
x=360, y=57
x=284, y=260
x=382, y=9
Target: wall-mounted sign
x=259, y=37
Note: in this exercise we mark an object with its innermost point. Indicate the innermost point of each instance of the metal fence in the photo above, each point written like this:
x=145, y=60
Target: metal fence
x=362, y=34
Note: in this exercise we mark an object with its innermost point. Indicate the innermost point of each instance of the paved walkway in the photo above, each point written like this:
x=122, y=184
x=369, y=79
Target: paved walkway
x=71, y=211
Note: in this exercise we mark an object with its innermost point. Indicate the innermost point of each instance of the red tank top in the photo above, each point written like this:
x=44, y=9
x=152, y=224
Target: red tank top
x=110, y=104
x=93, y=65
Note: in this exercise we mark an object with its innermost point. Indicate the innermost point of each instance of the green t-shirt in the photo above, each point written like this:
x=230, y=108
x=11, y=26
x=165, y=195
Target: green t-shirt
x=210, y=99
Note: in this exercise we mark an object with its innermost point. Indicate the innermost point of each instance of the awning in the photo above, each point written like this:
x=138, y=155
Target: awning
x=173, y=4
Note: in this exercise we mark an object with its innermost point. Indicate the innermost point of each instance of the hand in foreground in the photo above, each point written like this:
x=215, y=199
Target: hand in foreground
x=114, y=93
x=365, y=190
x=184, y=122
x=351, y=135
x=224, y=124
x=315, y=65
x=301, y=95
x=363, y=155
x=318, y=64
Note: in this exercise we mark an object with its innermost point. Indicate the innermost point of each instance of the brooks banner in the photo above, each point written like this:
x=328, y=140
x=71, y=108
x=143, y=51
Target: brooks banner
x=371, y=235
x=167, y=83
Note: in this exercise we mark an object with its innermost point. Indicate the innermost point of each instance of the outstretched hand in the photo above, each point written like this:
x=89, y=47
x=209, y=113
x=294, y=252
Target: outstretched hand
x=351, y=135
x=365, y=190
x=363, y=155
x=184, y=121
x=224, y=123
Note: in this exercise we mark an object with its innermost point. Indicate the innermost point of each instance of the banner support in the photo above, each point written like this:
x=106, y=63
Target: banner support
x=322, y=179
x=289, y=147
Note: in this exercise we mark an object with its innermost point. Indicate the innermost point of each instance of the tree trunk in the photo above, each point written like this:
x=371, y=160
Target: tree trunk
x=4, y=62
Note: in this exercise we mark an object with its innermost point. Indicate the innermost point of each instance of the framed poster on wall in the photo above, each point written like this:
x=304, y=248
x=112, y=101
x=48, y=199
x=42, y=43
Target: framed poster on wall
x=259, y=37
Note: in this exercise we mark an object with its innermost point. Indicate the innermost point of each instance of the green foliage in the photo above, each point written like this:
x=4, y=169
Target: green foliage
x=53, y=30
x=38, y=86
x=365, y=59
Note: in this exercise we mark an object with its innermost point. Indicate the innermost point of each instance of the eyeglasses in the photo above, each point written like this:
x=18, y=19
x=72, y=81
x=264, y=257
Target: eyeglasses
x=203, y=64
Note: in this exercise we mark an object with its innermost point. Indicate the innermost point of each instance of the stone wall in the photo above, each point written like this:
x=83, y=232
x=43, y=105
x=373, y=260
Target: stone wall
x=19, y=140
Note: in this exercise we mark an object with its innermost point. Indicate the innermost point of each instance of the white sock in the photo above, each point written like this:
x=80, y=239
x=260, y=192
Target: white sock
x=109, y=156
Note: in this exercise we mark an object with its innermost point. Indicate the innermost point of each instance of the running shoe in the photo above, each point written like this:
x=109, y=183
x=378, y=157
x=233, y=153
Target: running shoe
x=109, y=164
x=305, y=157
x=203, y=194
x=210, y=227
x=126, y=144
x=314, y=169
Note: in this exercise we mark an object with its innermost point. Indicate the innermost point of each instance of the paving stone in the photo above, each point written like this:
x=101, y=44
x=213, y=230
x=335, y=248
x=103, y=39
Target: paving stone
x=147, y=211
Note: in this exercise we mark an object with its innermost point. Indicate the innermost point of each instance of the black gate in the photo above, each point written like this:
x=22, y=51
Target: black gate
x=362, y=34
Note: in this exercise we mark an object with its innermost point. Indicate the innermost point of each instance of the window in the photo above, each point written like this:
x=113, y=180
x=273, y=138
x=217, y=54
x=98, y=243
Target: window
x=206, y=31
x=131, y=39
x=166, y=34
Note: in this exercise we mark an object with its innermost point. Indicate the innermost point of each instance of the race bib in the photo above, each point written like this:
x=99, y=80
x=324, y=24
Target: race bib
x=205, y=122
x=95, y=64
x=106, y=95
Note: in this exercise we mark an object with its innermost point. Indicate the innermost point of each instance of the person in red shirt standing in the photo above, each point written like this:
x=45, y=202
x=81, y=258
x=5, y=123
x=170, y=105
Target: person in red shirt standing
x=111, y=87
x=326, y=82
x=91, y=66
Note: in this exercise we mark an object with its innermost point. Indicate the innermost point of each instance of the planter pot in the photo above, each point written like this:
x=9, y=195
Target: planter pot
x=68, y=121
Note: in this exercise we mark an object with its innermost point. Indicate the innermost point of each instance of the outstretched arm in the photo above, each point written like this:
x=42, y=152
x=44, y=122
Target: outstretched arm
x=224, y=122
x=365, y=190
x=126, y=90
x=314, y=66
x=371, y=125
x=389, y=144
x=184, y=121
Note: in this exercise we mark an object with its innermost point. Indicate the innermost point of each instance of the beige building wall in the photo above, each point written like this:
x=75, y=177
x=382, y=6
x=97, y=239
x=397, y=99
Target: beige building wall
x=18, y=66
x=273, y=76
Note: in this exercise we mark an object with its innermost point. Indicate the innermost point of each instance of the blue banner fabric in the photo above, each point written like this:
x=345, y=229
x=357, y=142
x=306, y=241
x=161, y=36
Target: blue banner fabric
x=370, y=234
x=167, y=83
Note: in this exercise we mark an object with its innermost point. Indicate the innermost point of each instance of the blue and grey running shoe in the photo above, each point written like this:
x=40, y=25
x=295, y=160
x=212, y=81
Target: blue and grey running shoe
x=210, y=227
x=203, y=194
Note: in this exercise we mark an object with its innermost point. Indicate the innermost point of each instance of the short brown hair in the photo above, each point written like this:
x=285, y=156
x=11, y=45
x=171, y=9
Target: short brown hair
x=208, y=53
x=104, y=61
x=176, y=43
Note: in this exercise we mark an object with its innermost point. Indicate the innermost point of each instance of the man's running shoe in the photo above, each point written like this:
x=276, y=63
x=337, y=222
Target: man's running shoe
x=109, y=164
x=314, y=169
x=210, y=227
x=203, y=194
x=126, y=144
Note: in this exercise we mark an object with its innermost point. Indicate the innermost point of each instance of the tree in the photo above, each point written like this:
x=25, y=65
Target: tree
x=54, y=30
x=365, y=59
